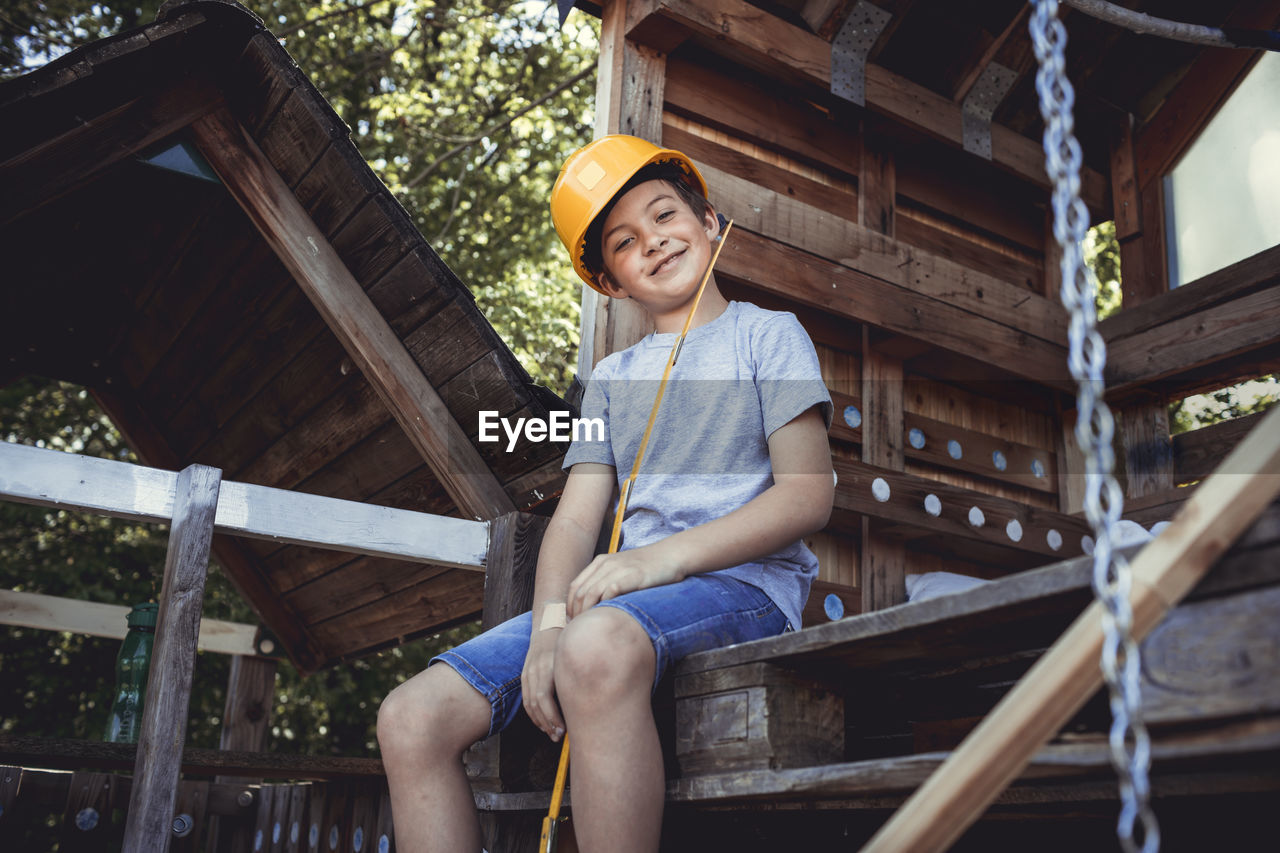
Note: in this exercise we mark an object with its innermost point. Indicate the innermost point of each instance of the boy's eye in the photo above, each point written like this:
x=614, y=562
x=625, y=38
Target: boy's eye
x=622, y=244
x=666, y=214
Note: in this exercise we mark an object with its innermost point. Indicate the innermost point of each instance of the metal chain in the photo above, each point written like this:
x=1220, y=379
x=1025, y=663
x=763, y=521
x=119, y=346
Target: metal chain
x=1095, y=429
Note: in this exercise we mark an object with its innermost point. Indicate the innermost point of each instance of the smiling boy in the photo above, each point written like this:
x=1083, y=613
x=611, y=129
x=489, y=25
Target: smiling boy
x=736, y=472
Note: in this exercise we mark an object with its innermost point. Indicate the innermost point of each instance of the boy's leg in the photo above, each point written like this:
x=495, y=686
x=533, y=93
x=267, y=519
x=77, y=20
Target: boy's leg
x=604, y=675
x=424, y=726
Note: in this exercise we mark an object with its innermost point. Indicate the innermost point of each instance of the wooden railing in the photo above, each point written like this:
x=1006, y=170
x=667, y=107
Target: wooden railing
x=197, y=502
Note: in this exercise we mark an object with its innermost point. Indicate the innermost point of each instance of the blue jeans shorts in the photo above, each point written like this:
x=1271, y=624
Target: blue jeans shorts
x=699, y=613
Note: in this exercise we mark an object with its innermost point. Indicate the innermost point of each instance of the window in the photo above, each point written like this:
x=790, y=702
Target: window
x=1222, y=200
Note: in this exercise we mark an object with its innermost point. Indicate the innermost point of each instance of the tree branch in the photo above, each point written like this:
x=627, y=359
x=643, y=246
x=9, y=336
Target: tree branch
x=494, y=128
x=1193, y=33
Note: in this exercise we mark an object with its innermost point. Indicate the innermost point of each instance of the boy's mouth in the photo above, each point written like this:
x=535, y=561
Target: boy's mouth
x=667, y=263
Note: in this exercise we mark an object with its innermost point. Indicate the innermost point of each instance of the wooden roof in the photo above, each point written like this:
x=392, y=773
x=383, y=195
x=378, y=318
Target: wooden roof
x=208, y=339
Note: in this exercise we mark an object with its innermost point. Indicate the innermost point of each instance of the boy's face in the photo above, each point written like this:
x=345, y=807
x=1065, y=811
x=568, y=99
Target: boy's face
x=655, y=248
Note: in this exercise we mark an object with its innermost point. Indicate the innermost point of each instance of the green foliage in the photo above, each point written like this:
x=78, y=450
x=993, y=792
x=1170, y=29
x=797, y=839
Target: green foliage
x=1246, y=398
x=465, y=110
x=63, y=682
x=1102, y=257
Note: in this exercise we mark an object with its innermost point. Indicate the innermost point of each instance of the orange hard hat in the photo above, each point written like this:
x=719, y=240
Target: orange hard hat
x=592, y=176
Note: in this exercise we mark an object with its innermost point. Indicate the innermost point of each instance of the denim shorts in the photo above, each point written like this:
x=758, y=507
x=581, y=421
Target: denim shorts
x=699, y=613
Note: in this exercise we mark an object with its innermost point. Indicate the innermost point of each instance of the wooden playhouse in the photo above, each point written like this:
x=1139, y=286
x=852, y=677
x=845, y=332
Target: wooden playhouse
x=884, y=169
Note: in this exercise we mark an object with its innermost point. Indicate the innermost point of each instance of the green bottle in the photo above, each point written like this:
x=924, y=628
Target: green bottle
x=132, y=666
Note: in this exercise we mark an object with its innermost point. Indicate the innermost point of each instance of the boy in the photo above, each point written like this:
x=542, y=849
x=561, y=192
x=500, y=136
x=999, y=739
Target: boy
x=737, y=470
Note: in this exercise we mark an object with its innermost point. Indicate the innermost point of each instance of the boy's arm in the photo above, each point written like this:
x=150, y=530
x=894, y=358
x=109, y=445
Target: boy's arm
x=797, y=504
x=567, y=545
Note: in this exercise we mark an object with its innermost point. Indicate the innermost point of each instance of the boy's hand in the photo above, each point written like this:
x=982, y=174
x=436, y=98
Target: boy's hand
x=610, y=575
x=538, y=686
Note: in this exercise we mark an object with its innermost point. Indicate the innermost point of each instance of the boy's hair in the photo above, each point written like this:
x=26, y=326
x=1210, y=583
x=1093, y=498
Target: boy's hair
x=669, y=173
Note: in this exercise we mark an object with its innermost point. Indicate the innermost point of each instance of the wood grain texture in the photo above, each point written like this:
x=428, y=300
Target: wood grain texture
x=164, y=718
x=793, y=53
x=1166, y=570
x=347, y=310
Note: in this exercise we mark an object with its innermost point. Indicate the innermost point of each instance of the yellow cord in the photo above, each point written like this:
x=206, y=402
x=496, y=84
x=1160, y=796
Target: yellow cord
x=547, y=843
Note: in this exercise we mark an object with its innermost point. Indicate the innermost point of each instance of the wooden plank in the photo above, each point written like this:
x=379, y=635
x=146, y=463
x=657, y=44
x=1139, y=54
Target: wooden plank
x=1126, y=203
x=52, y=613
x=88, y=818
x=164, y=719
x=883, y=561
x=120, y=489
x=907, y=267
x=375, y=238
x=1000, y=520
x=514, y=541
x=877, y=183
x=443, y=600
x=189, y=816
x=247, y=713
x=151, y=445
x=351, y=315
x=749, y=108
x=851, y=295
x=1143, y=429
x=791, y=52
x=353, y=585
x=1166, y=570
x=1198, y=452
x=1212, y=334
x=1259, y=272
x=57, y=753
x=56, y=166
x=338, y=183
x=629, y=96
x=978, y=453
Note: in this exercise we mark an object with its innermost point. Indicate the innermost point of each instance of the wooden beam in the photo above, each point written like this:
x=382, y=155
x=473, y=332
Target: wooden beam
x=868, y=250
x=120, y=489
x=164, y=718
x=846, y=293
x=998, y=750
x=364, y=333
x=883, y=560
x=70, y=754
x=1198, y=452
x=792, y=52
x=1240, y=279
x=53, y=613
x=901, y=498
x=1014, y=30
x=1210, y=335
x=57, y=166
x=629, y=95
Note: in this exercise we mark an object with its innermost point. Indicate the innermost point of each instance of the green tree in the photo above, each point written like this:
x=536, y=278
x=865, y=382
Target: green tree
x=465, y=110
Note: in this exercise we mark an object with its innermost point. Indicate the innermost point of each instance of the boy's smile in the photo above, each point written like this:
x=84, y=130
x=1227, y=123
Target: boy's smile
x=655, y=251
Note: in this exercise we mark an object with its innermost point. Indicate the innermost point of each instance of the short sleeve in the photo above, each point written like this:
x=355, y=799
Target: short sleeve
x=592, y=443
x=788, y=377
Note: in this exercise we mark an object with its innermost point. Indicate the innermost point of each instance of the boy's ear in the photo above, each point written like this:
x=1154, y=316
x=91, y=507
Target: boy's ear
x=609, y=286
x=711, y=223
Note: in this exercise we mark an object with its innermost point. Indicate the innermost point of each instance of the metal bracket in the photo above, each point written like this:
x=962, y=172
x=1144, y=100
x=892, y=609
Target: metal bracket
x=980, y=105
x=851, y=47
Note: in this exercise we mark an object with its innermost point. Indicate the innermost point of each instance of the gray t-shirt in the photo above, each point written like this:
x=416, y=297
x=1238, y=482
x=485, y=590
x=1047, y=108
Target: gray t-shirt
x=736, y=380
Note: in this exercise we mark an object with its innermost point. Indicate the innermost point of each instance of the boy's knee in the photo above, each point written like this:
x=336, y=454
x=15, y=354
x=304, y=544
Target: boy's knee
x=435, y=708
x=603, y=651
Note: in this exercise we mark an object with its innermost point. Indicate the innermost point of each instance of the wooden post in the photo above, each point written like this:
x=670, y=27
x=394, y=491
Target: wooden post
x=996, y=752
x=317, y=268
x=883, y=563
x=629, y=97
x=164, y=719
x=511, y=760
x=246, y=721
